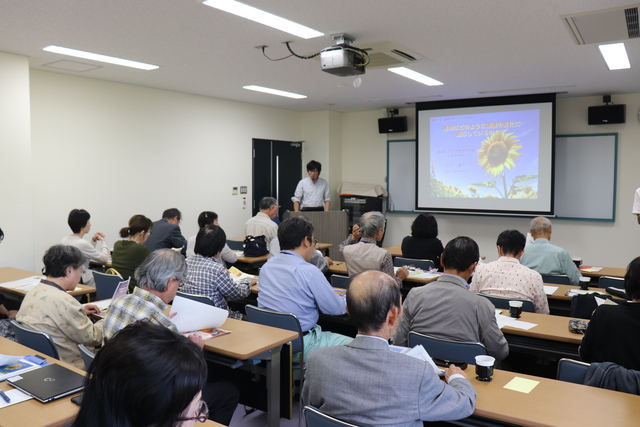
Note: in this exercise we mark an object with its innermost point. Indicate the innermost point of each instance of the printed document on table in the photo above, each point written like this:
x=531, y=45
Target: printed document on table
x=23, y=284
x=193, y=315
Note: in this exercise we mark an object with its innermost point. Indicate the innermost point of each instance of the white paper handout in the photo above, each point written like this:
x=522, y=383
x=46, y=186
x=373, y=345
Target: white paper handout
x=514, y=323
x=419, y=352
x=193, y=315
x=23, y=284
x=549, y=290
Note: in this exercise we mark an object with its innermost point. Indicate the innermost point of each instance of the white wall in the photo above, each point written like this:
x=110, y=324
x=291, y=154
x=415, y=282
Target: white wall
x=16, y=205
x=119, y=150
x=598, y=243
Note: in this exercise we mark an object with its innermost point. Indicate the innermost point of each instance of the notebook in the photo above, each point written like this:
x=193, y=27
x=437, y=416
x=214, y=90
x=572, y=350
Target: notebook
x=48, y=383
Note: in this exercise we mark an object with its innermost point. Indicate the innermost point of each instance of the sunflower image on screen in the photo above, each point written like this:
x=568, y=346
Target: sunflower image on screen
x=498, y=153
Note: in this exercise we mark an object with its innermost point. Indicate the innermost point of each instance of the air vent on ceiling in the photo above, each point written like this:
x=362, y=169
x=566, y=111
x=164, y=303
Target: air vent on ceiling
x=603, y=26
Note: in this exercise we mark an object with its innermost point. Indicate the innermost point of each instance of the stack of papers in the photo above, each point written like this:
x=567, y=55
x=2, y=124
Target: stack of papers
x=574, y=292
x=418, y=273
x=588, y=269
x=237, y=275
x=23, y=284
x=512, y=322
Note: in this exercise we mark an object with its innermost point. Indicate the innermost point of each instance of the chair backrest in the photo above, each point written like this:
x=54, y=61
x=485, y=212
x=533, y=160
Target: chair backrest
x=572, y=371
x=235, y=245
x=465, y=351
x=315, y=418
x=339, y=281
x=200, y=298
x=276, y=319
x=423, y=264
x=503, y=302
x=558, y=279
x=608, y=281
x=106, y=284
x=87, y=356
x=34, y=339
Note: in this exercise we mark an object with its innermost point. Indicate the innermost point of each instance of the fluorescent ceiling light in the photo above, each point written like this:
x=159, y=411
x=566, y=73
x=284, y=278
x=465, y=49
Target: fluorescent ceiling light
x=410, y=74
x=265, y=18
x=275, y=92
x=98, y=57
x=615, y=55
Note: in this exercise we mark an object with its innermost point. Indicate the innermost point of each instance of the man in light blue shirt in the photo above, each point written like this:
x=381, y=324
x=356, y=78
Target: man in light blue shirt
x=312, y=193
x=290, y=284
x=546, y=258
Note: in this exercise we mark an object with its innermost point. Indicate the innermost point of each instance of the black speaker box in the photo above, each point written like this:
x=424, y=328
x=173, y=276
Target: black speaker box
x=392, y=124
x=607, y=114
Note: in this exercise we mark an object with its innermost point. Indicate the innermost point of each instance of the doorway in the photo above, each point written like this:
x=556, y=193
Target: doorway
x=277, y=168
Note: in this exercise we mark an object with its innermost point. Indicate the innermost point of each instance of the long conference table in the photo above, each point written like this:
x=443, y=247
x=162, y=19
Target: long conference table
x=10, y=274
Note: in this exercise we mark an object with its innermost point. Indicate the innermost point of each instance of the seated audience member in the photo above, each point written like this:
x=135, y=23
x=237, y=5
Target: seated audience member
x=506, y=277
x=262, y=224
x=206, y=276
x=166, y=232
x=445, y=308
x=312, y=193
x=129, y=254
x=145, y=375
x=361, y=251
x=319, y=260
x=546, y=258
x=610, y=336
x=49, y=308
x=366, y=383
x=290, y=284
x=80, y=225
x=227, y=256
x=423, y=242
x=158, y=279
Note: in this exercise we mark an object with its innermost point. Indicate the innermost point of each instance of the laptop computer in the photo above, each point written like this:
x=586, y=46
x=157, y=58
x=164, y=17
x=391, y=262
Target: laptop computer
x=48, y=383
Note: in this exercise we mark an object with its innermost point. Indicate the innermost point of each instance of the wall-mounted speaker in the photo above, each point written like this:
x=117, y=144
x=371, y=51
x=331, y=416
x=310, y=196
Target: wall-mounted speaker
x=392, y=124
x=607, y=114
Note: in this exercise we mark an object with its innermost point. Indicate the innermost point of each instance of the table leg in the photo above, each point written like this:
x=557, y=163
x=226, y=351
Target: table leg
x=273, y=388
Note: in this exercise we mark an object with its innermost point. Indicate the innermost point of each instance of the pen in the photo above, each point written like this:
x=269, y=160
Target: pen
x=5, y=397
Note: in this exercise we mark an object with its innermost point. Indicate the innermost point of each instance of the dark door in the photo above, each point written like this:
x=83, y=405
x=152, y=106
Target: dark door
x=277, y=168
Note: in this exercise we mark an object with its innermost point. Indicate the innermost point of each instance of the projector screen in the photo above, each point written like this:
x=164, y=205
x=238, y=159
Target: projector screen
x=486, y=155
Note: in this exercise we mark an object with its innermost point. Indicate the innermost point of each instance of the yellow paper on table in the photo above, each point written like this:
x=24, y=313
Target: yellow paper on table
x=522, y=385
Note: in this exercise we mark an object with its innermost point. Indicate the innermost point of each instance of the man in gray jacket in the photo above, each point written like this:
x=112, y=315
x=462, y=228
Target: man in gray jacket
x=367, y=383
x=445, y=308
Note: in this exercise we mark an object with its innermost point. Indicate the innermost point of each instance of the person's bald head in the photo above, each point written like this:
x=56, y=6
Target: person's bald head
x=370, y=297
x=540, y=227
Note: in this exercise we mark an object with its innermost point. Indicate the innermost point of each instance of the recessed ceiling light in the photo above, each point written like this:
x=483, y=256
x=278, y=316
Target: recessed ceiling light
x=265, y=18
x=98, y=57
x=275, y=92
x=410, y=74
x=615, y=55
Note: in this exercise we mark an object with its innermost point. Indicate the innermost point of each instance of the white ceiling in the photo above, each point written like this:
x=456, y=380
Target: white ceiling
x=477, y=48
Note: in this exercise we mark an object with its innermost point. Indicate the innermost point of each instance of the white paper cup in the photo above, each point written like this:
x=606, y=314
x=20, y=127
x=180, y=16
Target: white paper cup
x=515, y=304
x=484, y=360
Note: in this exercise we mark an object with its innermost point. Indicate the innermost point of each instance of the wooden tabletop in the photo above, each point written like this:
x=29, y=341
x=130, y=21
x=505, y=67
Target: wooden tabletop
x=606, y=271
x=553, y=403
x=32, y=413
x=9, y=274
x=549, y=327
x=341, y=268
x=247, y=339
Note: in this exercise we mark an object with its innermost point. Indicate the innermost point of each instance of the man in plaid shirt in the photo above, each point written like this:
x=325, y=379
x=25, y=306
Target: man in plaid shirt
x=207, y=276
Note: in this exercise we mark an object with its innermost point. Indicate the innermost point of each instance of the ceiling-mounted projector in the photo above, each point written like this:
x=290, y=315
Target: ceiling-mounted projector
x=343, y=59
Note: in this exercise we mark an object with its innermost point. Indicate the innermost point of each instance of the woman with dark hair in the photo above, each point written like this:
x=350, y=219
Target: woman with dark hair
x=423, y=242
x=612, y=332
x=49, y=308
x=227, y=256
x=145, y=375
x=130, y=253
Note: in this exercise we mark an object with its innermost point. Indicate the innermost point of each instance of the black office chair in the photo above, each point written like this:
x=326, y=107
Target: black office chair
x=503, y=302
x=611, y=282
x=572, y=371
x=235, y=245
x=106, y=284
x=87, y=356
x=557, y=279
x=200, y=298
x=339, y=281
x=465, y=351
x=34, y=339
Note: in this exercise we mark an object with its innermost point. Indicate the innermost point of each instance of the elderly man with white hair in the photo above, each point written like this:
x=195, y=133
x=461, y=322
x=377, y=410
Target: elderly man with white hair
x=546, y=258
x=362, y=253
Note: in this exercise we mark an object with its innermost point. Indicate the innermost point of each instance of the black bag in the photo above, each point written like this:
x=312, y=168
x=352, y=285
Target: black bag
x=255, y=246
